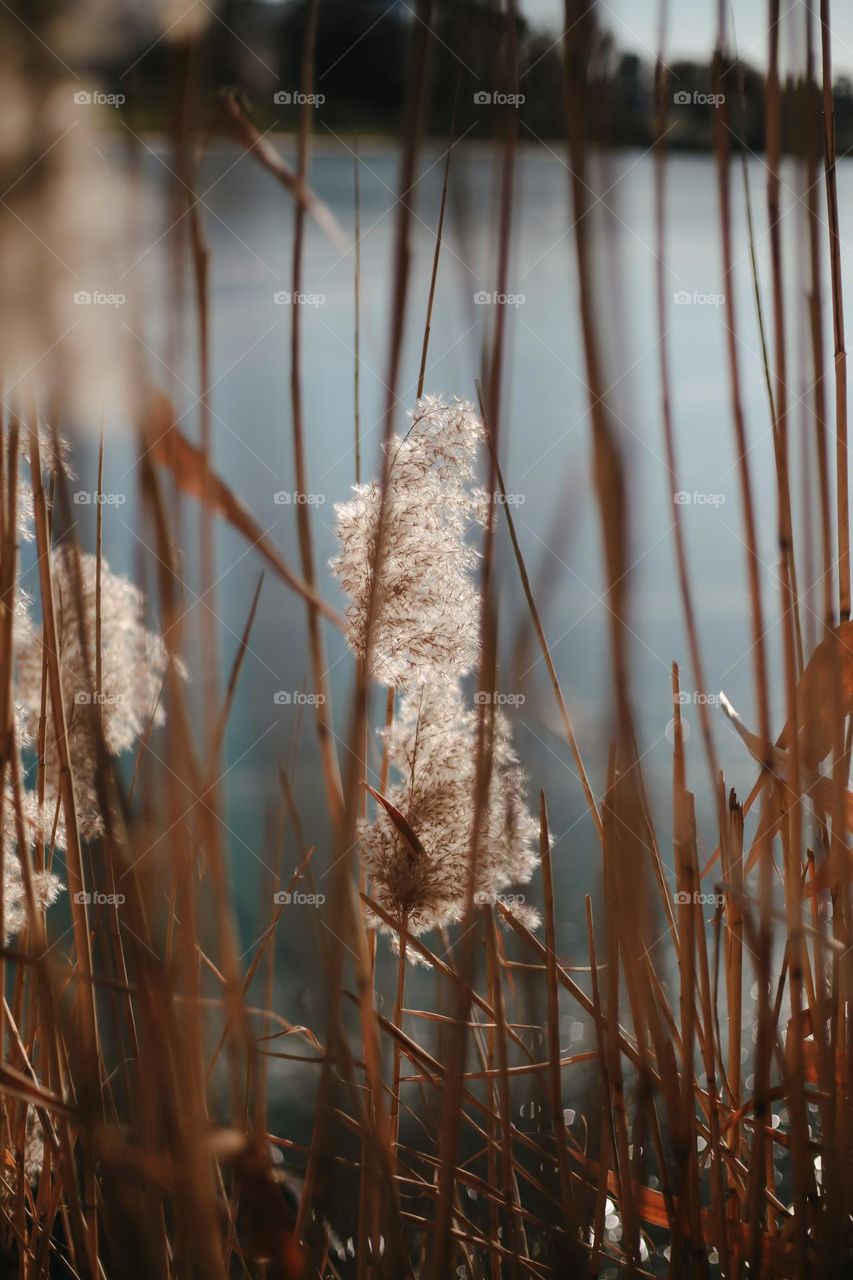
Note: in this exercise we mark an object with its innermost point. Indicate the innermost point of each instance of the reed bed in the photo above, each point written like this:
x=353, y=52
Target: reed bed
x=470, y=1134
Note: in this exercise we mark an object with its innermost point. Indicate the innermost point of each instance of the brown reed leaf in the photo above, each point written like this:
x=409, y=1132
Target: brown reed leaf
x=170, y=447
x=400, y=822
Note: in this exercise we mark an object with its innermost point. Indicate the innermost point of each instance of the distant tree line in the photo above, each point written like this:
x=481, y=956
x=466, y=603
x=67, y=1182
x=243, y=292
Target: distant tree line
x=362, y=65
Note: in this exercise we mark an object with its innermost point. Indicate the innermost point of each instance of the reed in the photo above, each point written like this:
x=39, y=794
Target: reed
x=673, y=1097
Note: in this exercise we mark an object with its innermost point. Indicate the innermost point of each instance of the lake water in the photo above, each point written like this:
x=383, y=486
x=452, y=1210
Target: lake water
x=546, y=445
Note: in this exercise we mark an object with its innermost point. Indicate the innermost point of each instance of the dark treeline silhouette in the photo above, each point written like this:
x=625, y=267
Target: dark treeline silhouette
x=362, y=50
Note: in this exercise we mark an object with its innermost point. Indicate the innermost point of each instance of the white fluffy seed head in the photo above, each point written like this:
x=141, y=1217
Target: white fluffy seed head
x=427, y=611
x=432, y=747
x=54, y=454
x=46, y=886
x=133, y=666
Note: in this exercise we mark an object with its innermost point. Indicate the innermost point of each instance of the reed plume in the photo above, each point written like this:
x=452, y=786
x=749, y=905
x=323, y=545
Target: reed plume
x=133, y=663
x=432, y=749
x=428, y=609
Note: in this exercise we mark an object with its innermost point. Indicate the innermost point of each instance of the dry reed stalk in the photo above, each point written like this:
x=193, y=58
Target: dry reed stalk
x=840, y=353
x=553, y=1018
x=347, y=921
x=75, y=868
x=711, y=1051
x=608, y=471
x=86, y=1237
x=509, y=1197
x=353, y=791
x=8, y=559
x=662, y=82
x=303, y=515
x=438, y=238
x=773, y=128
x=448, y=1137
x=462, y=993
x=591, y=802
x=733, y=873
x=293, y=182
x=357, y=309
x=446, y=971
x=615, y=1075
x=200, y=258
x=722, y=149
x=399, y=1004
x=793, y=830
x=196, y=1188
x=839, y=1178
x=385, y=766
x=607, y=1127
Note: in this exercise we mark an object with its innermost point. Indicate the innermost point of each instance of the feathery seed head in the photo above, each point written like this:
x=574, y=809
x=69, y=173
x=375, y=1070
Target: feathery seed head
x=134, y=661
x=432, y=747
x=427, y=612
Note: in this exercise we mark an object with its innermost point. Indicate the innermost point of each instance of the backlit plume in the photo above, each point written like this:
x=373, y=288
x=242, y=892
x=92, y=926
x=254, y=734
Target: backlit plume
x=427, y=614
x=46, y=886
x=433, y=749
x=134, y=661
x=34, y=825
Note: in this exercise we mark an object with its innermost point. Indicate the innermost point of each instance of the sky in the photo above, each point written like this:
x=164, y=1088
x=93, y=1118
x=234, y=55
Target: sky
x=692, y=26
